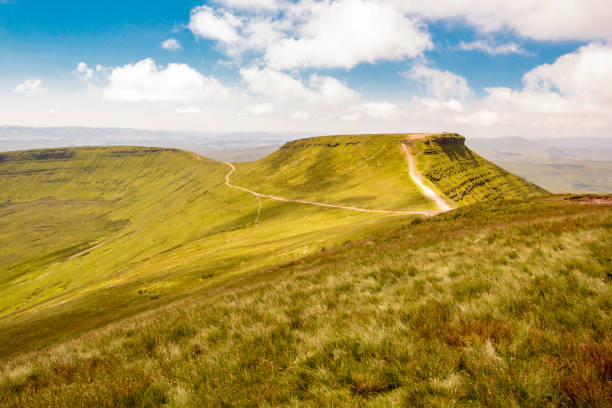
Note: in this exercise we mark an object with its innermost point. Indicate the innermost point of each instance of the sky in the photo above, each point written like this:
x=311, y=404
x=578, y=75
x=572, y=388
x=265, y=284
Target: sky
x=531, y=68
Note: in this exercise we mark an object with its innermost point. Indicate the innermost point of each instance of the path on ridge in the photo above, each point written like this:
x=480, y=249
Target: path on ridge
x=413, y=173
x=416, y=177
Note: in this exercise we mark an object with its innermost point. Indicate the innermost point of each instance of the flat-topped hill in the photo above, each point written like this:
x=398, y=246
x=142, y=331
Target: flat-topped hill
x=89, y=235
x=465, y=177
x=372, y=171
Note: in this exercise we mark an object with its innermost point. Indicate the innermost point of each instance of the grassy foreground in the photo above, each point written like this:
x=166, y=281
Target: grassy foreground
x=501, y=304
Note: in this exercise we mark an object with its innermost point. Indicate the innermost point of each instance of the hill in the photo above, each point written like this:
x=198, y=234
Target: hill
x=370, y=171
x=91, y=235
x=576, y=165
x=495, y=304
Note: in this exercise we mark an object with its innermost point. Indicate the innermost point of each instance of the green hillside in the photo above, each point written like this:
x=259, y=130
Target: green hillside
x=95, y=234
x=91, y=235
x=465, y=177
x=503, y=304
x=367, y=171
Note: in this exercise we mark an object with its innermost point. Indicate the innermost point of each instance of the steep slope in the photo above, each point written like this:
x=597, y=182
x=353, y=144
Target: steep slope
x=91, y=235
x=465, y=177
x=499, y=304
x=368, y=171
x=371, y=171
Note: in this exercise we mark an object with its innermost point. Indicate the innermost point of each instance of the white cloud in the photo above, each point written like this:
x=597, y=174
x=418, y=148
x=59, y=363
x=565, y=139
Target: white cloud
x=320, y=89
x=492, y=49
x=345, y=33
x=351, y=117
x=451, y=105
x=310, y=33
x=441, y=84
x=571, y=93
x=380, y=110
x=146, y=82
x=538, y=19
x=171, y=44
x=301, y=115
x=264, y=109
x=205, y=22
x=585, y=74
x=191, y=110
x=84, y=71
x=53, y=111
x=29, y=87
x=251, y=4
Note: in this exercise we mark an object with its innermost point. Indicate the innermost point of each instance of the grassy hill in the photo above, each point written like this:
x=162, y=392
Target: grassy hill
x=497, y=304
x=92, y=236
x=370, y=171
x=95, y=234
x=465, y=177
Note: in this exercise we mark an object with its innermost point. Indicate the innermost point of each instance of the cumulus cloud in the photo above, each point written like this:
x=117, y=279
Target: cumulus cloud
x=251, y=4
x=380, y=110
x=301, y=115
x=191, y=110
x=220, y=25
x=145, y=81
x=84, y=71
x=307, y=33
x=345, y=33
x=441, y=84
x=171, y=44
x=585, y=74
x=492, y=49
x=264, y=109
x=29, y=87
x=573, y=92
x=537, y=19
x=284, y=87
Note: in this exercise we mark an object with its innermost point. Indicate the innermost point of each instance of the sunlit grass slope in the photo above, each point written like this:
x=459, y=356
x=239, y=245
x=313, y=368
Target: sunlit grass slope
x=90, y=235
x=465, y=177
x=367, y=171
x=498, y=304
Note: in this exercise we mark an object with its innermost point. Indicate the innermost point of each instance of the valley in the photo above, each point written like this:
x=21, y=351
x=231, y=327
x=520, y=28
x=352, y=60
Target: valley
x=338, y=270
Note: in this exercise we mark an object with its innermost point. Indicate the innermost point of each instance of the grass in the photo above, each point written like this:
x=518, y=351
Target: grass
x=136, y=277
x=495, y=304
x=465, y=177
x=91, y=235
x=368, y=171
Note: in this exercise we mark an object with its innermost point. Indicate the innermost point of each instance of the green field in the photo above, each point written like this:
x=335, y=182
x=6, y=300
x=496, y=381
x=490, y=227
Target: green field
x=499, y=304
x=91, y=235
x=136, y=277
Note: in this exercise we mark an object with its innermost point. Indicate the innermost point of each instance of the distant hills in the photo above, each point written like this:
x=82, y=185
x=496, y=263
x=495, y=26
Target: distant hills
x=574, y=165
x=207, y=143
x=581, y=164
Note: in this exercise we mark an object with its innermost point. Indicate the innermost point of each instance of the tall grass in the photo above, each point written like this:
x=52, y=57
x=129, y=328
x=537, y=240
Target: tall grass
x=501, y=304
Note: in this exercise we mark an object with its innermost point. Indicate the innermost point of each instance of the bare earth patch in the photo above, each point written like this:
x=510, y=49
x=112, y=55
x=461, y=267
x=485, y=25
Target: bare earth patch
x=591, y=199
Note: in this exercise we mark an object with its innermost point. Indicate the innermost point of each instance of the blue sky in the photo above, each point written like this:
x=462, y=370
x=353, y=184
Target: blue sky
x=308, y=65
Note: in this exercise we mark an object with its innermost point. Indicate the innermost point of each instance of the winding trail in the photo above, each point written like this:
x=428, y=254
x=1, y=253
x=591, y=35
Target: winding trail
x=320, y=204
x=416, y=177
